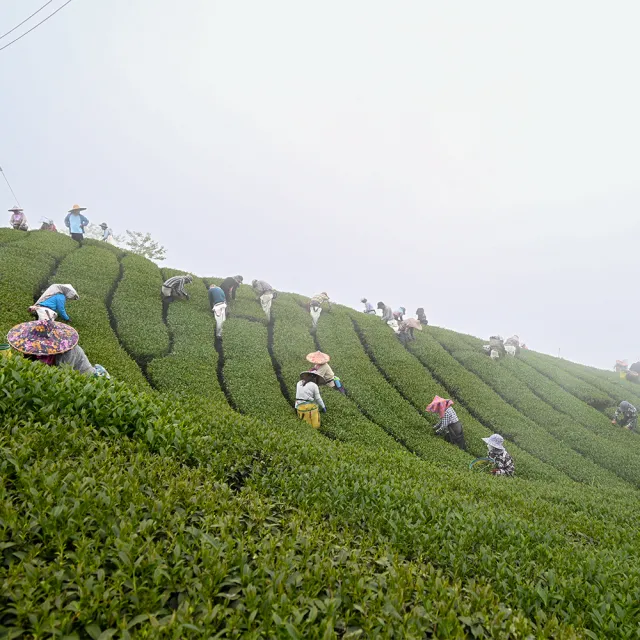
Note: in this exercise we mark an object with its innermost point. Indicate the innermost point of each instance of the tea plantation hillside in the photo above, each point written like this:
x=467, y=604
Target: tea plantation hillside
x=184, y=499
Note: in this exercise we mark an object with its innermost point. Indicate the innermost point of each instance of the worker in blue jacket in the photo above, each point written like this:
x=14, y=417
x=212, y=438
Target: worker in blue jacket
x=76, y=222
x=52, y=303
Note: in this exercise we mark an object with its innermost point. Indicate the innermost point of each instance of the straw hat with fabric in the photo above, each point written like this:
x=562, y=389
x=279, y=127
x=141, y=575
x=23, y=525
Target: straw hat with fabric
x=412, y=323
x=317, y=357
x=16, y=209
x=77, y=209
x=311, y=373
x=42, y=338
x=495, y=441
x=439, y=405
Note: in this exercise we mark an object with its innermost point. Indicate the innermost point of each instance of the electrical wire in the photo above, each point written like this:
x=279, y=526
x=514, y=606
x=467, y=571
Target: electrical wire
x=26, y=19
x=10, y=188
x=36, y=26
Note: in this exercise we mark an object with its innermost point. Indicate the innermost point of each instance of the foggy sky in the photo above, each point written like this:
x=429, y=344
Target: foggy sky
x=479, y=159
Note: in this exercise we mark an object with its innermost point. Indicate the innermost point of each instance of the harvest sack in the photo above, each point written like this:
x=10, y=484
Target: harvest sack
x=44, y=313
x=394, y=325
x=315, y=315
x=510, y=349
x=220, y=312
x=309, y=413
x=265, y=300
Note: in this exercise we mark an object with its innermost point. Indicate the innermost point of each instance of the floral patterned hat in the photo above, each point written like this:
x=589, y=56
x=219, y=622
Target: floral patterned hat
x=42, y=338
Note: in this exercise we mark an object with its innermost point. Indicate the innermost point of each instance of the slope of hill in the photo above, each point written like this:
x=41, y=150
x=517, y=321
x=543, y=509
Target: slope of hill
x=184, y=498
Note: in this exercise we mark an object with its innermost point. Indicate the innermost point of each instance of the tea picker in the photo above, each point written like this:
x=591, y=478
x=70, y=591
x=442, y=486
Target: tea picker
x=76, y=222
x=449, y=426
x=422, y=318
x=266, y=294
x=107, y=233
x=399, y=314
x=406, y=329
x=173, y=289
x=325, y=372
x=495, y=348
x=368, y=307
x=52, y=303
x=308, y=398
x=47, y=225
x=230, y=286
x=503, y=462
x=626, y=416
x=512, y=345
x=218, y=303
x=18, y=220
x=316, y=305
x=54, y=344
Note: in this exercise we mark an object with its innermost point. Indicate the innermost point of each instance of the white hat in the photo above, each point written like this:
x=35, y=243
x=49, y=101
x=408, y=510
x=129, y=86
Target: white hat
x=495, y=441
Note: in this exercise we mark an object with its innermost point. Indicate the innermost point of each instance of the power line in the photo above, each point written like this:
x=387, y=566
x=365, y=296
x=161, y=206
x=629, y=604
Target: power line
x=26, y=20
x=10, y=188
x=36, y=26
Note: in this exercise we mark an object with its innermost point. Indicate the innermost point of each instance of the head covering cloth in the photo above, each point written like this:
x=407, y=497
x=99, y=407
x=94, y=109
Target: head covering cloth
x=439, y=405
x=65, y=289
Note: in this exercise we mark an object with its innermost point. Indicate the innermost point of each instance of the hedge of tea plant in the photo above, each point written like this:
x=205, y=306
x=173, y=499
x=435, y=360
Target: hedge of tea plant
x=406, y=373
x=94, y=273
x=138, y=544
x=247, y=304
x=375, y=397
x=488, y=407
x=143, y=545
x=291, y=343
x=26, y=263
x=10, y=235
x=191, y=367
x=608, y=382
x=617, y=457
x=249, y=373
x=137, y=308
x=567, y=404
x=574, y=385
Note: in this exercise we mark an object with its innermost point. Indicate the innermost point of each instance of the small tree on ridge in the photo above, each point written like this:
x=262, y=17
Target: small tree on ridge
x=144, y=245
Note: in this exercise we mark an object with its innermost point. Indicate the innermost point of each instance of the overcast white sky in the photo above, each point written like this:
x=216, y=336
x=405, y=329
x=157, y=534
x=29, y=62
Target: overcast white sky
x=479, y=159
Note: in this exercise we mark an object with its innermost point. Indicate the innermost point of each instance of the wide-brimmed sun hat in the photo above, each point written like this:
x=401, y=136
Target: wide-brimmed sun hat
x=103, y=225
x=317, y=357
x=495, y=441
x=16, y=209
x=310, y=373
x=42, y=338
x=77, y=209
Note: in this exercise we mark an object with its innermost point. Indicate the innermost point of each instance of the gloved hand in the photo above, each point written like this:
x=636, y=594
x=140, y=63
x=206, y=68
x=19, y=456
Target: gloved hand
x=613, y=422
x=324, y=409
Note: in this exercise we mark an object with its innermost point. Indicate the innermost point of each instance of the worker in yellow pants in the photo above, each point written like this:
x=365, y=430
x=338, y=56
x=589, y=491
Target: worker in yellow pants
x=308, y=398
x=309, y=412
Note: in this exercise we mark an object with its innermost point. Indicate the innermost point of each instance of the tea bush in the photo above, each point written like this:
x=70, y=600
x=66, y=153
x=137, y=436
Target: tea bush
x=501, y=417
x=191, y=367
x=26, y=263
x=291, y=343
x=94, y=273
x=577, y=387
x=137, y=308
x=617, y=458
x=409, y=376
x=151, y=561
x=379, y=401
